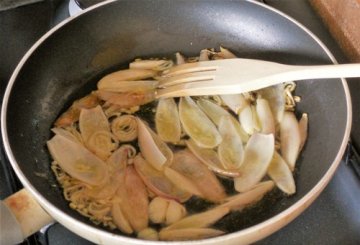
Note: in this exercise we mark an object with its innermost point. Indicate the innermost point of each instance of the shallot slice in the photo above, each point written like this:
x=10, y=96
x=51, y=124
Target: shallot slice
x=167, y=120
x=119, y=219
x=224, y=54
x=134, y=200
x=197, y=125
x=216, y=112
x=157, y=182
x=266, y=119
x=188, y=234
x=200, y=220
x=180, y=59
x=91, y=121
x=248, y=120
x=303, y=128
x=204, y=55
x=128, y=99
x=156, y=65
x=257, y=157
x=239, y=201
x=148, y=234
x=128, y=75
x=210, y=158
x=65, y=134
x=106, y=191
x=181, y=182
x=77, y=161
x=236, y=102
x=154, y=150
x=290, y=139
x=118, y=159
x=191, y=167
x=230, y=150
x=127, y=86
x=275, y=95
x=280, y=172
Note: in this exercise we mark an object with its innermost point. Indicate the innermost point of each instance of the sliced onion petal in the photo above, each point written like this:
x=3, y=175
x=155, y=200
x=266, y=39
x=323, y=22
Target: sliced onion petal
x=290, y=139
x=181, y=182
x=154, y=150
x=77, y=161
x=280, y=172
x=240, y=201
x=197, y=125
x=91, y=121
x=303, y=128
x=156, y=65
x=210, y=158
x=191, y=167
x=247, y=120
x=157, y=182
x=236, y=102
x=230, y=150
x=127, y=86
x=275, y=95
x=128, y=75
x=134, y=200
x=167, y=120
x=120, y=220
x=200, y=220
x=257, y=157
x=266, y=119
x=216, y=112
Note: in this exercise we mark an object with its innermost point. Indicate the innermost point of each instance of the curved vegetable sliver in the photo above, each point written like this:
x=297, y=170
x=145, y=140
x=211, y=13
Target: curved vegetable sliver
x=182, y=182
x=265, y=116
x=230, y=150
x=240, y=201
x=156, y=65
x=275, y=95
x=210, y=158
x=216, y=112
x=236, y=102
x=248, y=119
x=290, y=139
x=133, y=199
x=77, y=161
x=91, y=121
x=197, y=125
x=191, y=167
x=167, y=120
x=280, y=172
x=303, y=128
x=200, y=220
x=127, y=86
x=257, y=157
x=119, y=219
x=128, y=75
x=157, y=182
x=153, y=149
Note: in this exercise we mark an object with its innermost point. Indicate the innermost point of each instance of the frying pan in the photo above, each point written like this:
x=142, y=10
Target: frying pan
x=66, y=63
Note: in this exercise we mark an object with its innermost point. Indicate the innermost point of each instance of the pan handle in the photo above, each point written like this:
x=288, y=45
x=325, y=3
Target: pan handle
x=20, y=217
